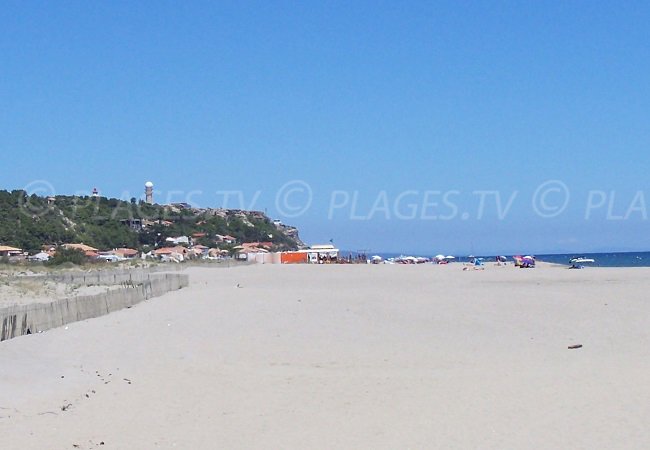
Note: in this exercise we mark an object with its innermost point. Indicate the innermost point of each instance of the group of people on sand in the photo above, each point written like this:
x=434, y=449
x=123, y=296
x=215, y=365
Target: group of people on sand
x=474, y=263
x=327, y=259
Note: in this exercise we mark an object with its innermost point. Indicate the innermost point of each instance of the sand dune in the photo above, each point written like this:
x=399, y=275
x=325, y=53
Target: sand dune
x=345, y=357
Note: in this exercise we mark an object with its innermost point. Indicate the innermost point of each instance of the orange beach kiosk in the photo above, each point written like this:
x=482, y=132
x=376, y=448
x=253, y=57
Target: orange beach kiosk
x=310, y=255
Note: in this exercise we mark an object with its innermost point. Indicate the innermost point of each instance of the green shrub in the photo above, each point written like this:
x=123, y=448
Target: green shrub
x=67, y=255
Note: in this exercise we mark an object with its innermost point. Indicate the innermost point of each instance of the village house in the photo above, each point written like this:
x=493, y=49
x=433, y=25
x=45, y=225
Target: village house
x=134, y=224
x=227, y=239
x=176, y=254
x=200, y=251
x=39, y=257
x=125, y=253
x=6, y=250
x=217, y=253
x=90, y=252
x=248, y=251
x=179, y=240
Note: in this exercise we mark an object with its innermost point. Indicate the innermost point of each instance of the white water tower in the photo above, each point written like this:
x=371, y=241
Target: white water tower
x=148, y=192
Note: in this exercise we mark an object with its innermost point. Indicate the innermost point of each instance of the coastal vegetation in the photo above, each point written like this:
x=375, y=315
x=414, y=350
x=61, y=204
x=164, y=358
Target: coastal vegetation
x=30, y=221
x=69, y=256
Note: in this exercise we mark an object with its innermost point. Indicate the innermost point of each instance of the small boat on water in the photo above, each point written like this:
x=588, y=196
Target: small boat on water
x=577, y=262
x=581, y=260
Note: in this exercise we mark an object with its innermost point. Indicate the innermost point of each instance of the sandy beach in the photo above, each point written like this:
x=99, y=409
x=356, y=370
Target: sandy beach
x=350, y=357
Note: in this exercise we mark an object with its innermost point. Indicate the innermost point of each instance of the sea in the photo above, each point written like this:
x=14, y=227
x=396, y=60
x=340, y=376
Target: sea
x=622, y=259
x=615, y=259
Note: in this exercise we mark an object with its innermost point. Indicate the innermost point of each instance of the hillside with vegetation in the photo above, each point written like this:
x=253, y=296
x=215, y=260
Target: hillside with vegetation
x=29, y=222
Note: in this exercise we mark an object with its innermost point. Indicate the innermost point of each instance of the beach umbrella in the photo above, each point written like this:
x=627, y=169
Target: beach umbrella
x=528, y=260
x=439, y=257
x=450, y=257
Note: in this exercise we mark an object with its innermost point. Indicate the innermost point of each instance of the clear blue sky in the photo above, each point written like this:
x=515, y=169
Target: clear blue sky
x=370, y=99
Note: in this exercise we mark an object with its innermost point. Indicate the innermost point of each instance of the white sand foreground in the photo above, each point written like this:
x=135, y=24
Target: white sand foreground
x=354, y=357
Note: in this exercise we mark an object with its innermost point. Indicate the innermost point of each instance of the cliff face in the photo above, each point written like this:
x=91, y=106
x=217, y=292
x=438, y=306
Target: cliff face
x=28, y=222
x=292, y=232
